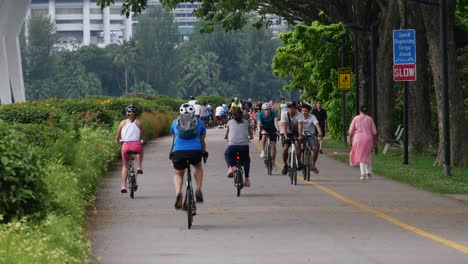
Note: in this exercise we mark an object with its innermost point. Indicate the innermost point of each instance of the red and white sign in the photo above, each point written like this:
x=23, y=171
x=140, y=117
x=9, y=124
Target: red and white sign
x=404, y=72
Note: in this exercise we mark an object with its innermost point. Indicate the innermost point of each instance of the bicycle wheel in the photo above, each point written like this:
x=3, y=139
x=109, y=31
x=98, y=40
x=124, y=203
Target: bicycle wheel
x=294, y=170
x=238, y=181
x=306, y=163
x=269, y=162
x=189, y=201
x=131, y=185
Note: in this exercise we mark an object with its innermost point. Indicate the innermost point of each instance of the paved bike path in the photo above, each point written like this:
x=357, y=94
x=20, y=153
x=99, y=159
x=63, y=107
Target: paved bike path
x=335, y=219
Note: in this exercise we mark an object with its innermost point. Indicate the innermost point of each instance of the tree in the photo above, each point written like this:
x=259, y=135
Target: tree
x=125, y=56
x=71, y=79
x=38, y=59
x=157, y=39
x=100, y=62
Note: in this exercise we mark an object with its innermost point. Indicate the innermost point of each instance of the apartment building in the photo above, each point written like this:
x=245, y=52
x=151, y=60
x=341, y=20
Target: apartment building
x=82, y=22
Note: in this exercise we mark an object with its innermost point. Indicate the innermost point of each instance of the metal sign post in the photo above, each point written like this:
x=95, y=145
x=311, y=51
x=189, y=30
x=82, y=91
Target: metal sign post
x=404, y=69
x=344, y=85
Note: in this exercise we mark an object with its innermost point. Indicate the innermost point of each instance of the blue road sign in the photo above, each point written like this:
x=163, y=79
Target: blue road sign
x=404, y=46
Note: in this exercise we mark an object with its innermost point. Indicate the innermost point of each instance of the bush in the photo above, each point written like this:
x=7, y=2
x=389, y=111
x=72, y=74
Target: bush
x=28, y=113
x=23, y=190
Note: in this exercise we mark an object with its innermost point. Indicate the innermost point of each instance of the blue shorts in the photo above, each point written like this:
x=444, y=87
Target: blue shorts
x=312, y=142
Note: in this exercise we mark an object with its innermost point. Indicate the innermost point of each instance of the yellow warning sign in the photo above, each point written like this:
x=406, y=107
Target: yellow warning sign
x=344, y=79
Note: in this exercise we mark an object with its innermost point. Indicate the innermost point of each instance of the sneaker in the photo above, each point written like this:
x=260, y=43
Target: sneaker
x=123, y=188
x=262, y=154
x=285, y=170
x=363, y=177
x=199, y=196
x=247, y=182
x=368, y=176
x=178, y=202
x=139, y=171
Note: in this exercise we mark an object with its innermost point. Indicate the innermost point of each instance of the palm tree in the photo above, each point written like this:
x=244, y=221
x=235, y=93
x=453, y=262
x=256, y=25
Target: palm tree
x=125, y=55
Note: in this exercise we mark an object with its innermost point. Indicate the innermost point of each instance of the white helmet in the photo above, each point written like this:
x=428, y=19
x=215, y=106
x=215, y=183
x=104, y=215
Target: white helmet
x=266, y=106
x=187, y=109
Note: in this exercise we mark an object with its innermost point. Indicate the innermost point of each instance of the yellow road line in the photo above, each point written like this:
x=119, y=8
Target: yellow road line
x=380, y=214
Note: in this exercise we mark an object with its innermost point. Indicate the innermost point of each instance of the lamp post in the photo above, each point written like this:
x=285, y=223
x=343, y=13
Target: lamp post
x=343, y=93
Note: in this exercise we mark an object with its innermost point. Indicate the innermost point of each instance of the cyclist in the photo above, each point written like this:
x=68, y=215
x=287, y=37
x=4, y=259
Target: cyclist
x=219, y=115
x=267, y=124
x=188, y=144
x=130, y=133
x=238, y=133
x=291, y=121
x=311, y=124
x=209, y=112
x=235, y=105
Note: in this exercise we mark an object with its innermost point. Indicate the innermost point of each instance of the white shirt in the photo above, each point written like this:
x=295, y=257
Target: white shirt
x=197, y=109
x=309, y=124
x=284, y=108
x=130, y=132
x=294, y=120
x=203, y=112
x=219, y=110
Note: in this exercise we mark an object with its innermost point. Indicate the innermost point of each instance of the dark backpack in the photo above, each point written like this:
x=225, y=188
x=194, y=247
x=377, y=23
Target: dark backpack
x=187, y=126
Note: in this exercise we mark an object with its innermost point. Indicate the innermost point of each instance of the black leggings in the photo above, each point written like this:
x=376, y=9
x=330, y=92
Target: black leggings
x=244, y=155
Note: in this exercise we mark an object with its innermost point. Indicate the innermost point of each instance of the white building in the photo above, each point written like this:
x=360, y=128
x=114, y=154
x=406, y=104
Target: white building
x=82, y=22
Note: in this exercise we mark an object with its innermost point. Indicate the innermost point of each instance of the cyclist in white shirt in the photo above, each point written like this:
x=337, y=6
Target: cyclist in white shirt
x=130, y=134
x=310, y=124
x=219, y=115
x=291, y=121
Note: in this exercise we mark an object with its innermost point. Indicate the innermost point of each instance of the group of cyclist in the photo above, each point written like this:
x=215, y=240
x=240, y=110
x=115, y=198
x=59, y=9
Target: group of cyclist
x=243, y=118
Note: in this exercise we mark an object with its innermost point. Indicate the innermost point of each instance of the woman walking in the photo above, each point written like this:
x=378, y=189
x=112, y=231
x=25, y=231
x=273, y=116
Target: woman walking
x=362, y=139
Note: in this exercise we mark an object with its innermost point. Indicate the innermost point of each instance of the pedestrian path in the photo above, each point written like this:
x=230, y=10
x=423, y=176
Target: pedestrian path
x=336, y=218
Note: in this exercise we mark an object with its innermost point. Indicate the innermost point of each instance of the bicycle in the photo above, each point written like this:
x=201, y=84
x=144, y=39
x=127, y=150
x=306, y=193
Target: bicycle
x=189, y=201
x=132, y=186
x=210, y=120
x=306, y=155
x=238, y=173
x=189, y=204
x=292, y=161
x=268, y=159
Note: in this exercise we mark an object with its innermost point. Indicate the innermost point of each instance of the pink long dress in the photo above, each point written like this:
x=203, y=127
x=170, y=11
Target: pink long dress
x=364, y=129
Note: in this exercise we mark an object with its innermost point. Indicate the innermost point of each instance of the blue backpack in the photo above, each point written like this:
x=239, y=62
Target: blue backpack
x=187, y=126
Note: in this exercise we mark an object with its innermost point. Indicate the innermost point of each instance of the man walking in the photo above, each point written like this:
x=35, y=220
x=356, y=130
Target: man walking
x=321, y=115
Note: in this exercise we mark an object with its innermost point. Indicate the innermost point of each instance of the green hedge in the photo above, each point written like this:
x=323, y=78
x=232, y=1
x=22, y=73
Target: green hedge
x=51, y=164
x=23, y=190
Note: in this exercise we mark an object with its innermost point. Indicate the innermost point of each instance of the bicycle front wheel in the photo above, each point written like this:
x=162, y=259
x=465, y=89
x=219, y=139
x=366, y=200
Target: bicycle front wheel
x=269, y=160
x=294, y=170
x=306, y=163
x=190, y=207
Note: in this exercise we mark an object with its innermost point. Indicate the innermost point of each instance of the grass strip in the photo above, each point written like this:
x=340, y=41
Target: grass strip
x=420, y=172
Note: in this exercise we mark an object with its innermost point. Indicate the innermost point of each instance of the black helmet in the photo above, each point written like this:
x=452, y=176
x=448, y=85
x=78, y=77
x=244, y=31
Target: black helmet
x=192, y=97
x=131, y=109
x=292, y=104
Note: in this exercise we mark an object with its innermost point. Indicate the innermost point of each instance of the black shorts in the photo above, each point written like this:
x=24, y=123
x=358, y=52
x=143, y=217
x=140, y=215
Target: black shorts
x=271, y=133
x=179, y=158
x=290, y=135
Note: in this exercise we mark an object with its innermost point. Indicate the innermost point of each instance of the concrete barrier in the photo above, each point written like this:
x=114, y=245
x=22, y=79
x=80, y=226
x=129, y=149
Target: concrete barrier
x=12, y=16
